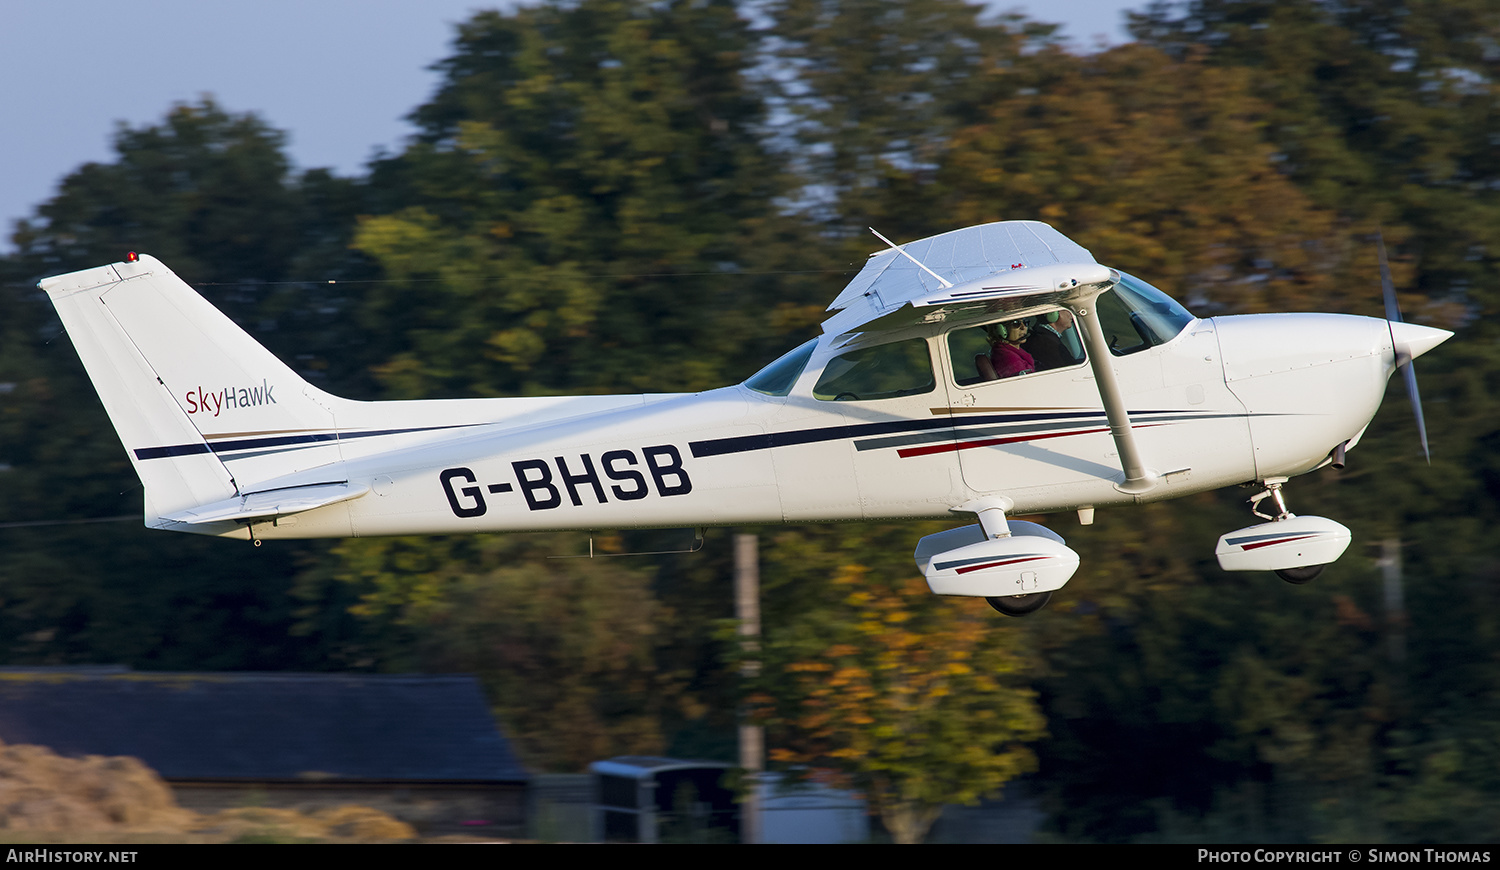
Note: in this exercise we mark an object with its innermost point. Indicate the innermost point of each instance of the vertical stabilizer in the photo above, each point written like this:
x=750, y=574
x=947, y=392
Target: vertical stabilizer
x=181, y=382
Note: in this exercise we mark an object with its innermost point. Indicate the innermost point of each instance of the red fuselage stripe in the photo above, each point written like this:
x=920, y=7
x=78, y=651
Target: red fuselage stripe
x=990, y=442
x=969, y=568
x=987, y=442
x=1259, y=544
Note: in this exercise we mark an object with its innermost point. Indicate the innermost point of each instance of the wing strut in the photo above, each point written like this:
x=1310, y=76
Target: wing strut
x=1138, y=478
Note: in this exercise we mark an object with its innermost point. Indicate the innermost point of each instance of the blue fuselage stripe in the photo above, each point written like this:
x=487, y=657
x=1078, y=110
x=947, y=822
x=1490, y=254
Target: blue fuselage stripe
x=940, y=428
x=276, y=441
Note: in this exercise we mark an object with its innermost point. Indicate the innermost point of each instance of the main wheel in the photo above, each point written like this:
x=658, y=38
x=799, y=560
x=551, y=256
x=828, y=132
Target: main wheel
x=1020, y=605
x=1298, y=576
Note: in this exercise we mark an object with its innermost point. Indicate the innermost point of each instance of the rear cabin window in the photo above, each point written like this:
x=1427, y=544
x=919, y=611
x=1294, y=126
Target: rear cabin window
x=885, y=371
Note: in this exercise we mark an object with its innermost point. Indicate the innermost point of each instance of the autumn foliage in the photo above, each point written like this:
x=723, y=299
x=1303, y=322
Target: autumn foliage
x=914, y=701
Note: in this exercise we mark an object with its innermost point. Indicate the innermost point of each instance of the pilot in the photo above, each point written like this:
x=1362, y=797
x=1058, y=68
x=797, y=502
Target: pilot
x=1047, y=345
x=1006, y=354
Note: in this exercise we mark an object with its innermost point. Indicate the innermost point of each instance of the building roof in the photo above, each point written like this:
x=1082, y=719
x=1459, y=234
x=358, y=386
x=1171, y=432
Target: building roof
x=263, y=726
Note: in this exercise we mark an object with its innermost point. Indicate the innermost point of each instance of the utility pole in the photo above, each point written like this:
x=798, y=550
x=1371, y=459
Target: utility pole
x=752, y=737
x=1395, y=599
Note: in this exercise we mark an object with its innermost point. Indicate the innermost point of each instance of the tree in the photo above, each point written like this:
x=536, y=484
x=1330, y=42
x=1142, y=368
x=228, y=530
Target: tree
x=1380, y=109
x=876, y=88
x=915, y=701
x=1175, y=185
x=565, y=648
x=213, y=194
x=589, y=205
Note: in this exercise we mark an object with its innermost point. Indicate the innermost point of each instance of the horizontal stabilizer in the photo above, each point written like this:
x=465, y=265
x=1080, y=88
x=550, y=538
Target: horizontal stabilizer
x=271, y=503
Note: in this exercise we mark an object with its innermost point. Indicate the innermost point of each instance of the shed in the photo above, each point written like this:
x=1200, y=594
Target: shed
x=647, y=799
x=423, y=748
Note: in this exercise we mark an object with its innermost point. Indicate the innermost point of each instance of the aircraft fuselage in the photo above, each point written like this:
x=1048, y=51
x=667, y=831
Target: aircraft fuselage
x=1226, y=401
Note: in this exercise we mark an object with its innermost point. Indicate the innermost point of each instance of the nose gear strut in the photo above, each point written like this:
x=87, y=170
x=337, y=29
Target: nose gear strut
x=1273, y=492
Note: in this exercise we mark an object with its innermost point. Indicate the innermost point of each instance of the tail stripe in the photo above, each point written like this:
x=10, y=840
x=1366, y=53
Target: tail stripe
x=174, y=450
x=260, y=443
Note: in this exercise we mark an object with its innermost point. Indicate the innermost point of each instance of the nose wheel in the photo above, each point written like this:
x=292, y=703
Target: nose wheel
x=1020, y=605
x=1296, y=549
x=1299, y=576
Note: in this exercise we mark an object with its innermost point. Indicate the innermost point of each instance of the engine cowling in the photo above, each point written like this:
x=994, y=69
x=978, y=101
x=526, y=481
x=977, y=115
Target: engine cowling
x=963, y=561
x=1295, y=542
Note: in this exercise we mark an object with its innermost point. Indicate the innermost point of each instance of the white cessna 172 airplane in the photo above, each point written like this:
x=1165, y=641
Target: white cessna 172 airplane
x=991, y=371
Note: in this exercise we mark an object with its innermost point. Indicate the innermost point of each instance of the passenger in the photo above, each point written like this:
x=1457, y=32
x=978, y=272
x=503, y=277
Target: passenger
x=1047, y=345
x=1006, y=354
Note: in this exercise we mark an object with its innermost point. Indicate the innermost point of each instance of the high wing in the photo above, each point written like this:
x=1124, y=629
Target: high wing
x=1008, y=267
x=971, y=274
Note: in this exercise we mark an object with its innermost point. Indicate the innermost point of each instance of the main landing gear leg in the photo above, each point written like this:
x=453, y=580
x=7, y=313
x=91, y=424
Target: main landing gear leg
x=992, y=521
x=1012, y=564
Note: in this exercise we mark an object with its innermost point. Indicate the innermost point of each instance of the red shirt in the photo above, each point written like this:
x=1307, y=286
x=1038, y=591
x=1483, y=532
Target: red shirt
x=1010, y=360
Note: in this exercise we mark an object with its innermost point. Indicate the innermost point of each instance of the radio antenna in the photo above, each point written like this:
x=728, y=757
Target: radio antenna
x=902, y=252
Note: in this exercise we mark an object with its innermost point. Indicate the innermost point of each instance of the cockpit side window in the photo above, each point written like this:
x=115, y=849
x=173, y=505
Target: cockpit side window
x=1010, y=348
x=885, y=371
x=778, y=378
x=1136, y=316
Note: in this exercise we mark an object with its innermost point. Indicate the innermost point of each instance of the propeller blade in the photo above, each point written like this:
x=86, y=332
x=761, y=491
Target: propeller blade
x=1387, y=288
x=1416, y=408
x=1393, y=317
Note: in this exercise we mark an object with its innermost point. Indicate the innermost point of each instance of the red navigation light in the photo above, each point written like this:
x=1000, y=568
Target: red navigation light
x=132, y=257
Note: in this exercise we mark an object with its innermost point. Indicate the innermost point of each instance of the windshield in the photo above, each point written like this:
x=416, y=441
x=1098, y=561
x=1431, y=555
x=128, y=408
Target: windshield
x=1136, y=316
x=778, y=378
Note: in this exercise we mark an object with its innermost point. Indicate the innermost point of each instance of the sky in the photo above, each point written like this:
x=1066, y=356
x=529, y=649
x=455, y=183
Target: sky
x=338, y=76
